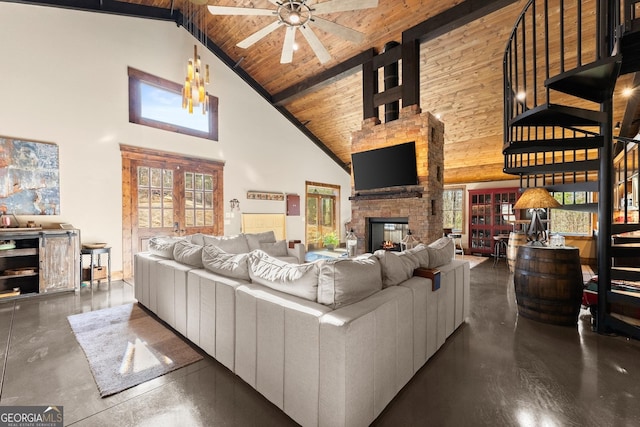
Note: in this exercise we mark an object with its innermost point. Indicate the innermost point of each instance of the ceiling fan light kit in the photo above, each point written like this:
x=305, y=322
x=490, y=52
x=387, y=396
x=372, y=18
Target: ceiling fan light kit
x=302, y=15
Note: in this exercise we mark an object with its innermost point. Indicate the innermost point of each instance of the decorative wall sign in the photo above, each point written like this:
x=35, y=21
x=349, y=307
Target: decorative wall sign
x=29, y=177
x=265, y=195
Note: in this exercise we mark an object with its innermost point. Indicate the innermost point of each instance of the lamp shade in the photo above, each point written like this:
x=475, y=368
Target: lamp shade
x=536, y=198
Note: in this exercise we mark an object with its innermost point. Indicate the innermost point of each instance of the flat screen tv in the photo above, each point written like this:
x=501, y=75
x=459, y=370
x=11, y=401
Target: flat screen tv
x=385, y=167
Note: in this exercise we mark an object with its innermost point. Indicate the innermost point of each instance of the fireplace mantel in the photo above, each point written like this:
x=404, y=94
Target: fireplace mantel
x=400, y=194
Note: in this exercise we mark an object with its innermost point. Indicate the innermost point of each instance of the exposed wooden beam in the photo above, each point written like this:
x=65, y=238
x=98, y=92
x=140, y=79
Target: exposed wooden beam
x=344, y=69
x=455, y=17
x=388, y=96
x=410, y=72
x=369, y=88
x=109, y=6
x=446, y=21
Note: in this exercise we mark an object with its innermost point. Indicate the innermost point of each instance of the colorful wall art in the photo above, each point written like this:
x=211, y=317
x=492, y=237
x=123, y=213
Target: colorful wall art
x=29, y=177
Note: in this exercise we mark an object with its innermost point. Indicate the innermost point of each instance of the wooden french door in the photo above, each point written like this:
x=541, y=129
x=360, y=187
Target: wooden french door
x=321, y=212
x=165, y=194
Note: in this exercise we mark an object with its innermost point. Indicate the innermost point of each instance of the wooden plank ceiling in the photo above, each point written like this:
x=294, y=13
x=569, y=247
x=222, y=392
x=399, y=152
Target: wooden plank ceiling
x=460, y=73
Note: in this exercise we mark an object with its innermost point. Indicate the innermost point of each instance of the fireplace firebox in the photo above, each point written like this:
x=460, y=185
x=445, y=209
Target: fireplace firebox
x=386, y=233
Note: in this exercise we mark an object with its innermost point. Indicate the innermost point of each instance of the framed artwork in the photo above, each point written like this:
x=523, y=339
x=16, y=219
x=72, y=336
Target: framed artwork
x=29, y=177
x=265, y=195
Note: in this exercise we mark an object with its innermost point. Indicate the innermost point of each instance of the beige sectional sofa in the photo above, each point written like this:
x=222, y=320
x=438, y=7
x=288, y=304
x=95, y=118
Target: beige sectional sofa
x=329, y=342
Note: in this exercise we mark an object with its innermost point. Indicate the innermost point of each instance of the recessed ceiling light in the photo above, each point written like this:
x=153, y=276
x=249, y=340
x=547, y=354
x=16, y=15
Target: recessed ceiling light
x=627, y=92
x=520, y=96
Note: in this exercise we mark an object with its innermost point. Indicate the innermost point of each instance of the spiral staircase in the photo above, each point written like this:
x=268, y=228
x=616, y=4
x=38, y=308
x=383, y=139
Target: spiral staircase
x=561, y=66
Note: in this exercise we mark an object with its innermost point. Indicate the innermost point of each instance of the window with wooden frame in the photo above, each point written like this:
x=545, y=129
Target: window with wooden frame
x=156, y=102
x=453, y=208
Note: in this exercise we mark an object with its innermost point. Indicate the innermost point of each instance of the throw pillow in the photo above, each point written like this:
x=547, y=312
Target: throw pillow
x=440, y=252
x=295, y=279
x=220, y=262
x=196, y=239
x=254, y=239
x=276, y=249
x=231, y=244
x=163, y=245
x=396, y=266
x=343, y=281
x=188, y=253
x=421, y=253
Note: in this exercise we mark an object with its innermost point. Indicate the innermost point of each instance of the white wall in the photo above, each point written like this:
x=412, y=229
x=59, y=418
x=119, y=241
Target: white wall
x=63, y=79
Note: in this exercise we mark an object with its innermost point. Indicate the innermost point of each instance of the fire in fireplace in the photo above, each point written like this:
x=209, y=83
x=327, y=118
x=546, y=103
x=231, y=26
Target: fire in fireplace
x=386, y=233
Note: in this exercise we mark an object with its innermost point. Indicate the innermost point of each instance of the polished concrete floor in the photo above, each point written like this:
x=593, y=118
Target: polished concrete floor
x=496, y=370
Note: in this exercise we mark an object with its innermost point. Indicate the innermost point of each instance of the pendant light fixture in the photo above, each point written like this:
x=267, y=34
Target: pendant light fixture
x=194, y=93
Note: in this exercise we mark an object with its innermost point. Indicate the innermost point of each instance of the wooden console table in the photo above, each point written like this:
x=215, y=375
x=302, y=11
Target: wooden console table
x=37, y=261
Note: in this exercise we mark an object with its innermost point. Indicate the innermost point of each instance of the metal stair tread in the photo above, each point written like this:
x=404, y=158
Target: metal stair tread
x=624, y=228
x=558, y=115
x=623, y=297
x=625, y=273
x=556, y=144
x=590, y=186
x=579, y=166
x=623, y=250
x=581, y=207
x=629, y=47
x=594, y=81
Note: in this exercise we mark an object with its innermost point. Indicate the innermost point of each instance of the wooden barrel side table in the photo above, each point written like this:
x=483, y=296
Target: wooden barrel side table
x=548, y=284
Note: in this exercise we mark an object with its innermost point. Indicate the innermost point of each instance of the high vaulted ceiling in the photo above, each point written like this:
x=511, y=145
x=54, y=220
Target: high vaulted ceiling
x=461, y=53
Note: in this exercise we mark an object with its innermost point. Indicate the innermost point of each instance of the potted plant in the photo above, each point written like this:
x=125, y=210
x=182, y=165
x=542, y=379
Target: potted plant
x=330, y=241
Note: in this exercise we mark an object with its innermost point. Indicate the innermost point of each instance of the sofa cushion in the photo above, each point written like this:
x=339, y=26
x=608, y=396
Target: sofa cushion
x=254, y=239
x=188, y=253
x=163, y=245
x=421, y=253
x=231, y=244
x=343, y=281
x=295, y=279
x=196, y=239
x=276, y=249
x=440, y=252
x=396, y=266
x=218, y=261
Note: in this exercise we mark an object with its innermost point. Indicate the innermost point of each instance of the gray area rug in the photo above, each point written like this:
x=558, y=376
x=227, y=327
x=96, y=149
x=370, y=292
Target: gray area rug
x=125, y=346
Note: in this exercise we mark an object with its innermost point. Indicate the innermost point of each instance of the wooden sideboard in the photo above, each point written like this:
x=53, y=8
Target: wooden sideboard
x=36, y=262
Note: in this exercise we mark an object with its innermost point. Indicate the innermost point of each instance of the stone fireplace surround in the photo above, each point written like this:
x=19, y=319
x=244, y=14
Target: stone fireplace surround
x=420, y=204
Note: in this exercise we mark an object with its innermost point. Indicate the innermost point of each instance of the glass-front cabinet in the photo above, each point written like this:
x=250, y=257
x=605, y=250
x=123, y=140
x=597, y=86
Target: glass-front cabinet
x=625, y=192
x=491, y=214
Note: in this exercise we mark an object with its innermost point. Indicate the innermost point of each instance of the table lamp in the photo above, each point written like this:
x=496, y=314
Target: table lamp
x=536, y=199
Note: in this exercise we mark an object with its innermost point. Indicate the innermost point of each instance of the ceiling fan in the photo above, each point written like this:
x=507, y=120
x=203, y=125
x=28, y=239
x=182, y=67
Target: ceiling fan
x=300, y=14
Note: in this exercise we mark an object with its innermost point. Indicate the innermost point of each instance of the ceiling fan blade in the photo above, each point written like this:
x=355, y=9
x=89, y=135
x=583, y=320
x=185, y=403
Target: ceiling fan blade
x=253, y=38
x=339, y=30
x=343, y=5
x=287, y=47
x=315, y=43
x=228, y=10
